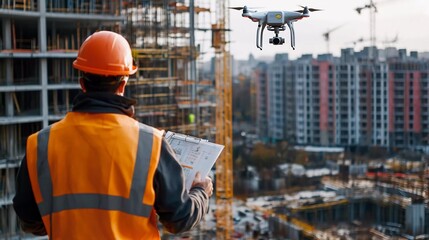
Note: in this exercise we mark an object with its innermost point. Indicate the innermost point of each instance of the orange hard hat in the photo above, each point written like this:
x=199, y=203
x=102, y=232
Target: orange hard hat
x=105, y=53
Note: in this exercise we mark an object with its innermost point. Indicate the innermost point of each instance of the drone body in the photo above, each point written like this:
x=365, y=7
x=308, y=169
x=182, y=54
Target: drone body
x=275, y=21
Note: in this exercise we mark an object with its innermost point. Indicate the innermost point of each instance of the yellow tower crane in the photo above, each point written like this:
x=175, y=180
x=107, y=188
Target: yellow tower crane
x=224, y=185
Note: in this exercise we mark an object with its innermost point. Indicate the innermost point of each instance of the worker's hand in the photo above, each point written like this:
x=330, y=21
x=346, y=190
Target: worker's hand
x=206, y=184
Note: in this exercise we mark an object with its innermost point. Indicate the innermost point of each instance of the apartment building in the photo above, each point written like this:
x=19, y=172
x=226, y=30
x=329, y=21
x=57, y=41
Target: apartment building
x=259, y=77
x=276, y=93
x=353, y=99
x=408, y=101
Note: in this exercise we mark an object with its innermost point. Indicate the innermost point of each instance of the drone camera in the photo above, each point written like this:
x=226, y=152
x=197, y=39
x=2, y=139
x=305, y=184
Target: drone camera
x=277, y=40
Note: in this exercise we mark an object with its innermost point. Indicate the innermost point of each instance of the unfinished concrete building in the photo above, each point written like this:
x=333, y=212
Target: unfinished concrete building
x=38, y=42
x=390, y=207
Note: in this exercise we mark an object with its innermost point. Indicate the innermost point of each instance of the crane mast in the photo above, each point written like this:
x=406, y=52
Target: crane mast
x=327, y=34
x=372, y=12
x=372, y=33
x=224, y=177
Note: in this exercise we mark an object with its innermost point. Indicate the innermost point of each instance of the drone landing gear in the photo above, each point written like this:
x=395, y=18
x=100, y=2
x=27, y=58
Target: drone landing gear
x=259, y=34
x=292, y=34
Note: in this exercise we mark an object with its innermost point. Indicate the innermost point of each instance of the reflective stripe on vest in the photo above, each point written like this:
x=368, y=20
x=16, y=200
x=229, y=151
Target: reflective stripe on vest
x=132, y=205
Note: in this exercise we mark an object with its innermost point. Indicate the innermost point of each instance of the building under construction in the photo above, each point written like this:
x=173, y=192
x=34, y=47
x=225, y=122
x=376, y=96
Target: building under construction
x=372, y=206
x=39, y=41
x=169, y=93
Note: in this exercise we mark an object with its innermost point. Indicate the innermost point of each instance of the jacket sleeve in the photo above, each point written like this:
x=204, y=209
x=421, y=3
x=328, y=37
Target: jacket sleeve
x=25, y=204
x=178, y=210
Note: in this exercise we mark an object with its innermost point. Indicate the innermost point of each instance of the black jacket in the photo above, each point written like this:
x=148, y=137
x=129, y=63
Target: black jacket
x=177, y=209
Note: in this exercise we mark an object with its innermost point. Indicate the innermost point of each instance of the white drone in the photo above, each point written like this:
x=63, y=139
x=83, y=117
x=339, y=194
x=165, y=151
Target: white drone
x=276, y=21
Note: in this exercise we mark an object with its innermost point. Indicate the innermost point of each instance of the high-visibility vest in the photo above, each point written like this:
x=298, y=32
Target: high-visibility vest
x=92, y=177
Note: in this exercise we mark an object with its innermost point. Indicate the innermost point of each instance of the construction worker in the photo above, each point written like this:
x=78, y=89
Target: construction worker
x=100, y=174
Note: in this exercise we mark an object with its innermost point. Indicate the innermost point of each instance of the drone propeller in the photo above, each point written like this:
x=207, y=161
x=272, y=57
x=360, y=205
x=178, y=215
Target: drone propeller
x=237, y=8
x=306, y=9
x=245, y=9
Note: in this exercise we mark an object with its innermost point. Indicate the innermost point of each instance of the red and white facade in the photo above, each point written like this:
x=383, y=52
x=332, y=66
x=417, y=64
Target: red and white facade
x=350, y=100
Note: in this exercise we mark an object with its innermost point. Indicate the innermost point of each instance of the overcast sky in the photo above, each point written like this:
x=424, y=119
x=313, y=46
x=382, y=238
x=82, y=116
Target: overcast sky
x=408, y=19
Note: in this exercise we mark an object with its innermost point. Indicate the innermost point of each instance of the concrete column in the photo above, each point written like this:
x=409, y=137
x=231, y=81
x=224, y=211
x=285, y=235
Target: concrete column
x=7, y=44
x=7, y=35
x=12, y=220
x=415, y=218
x=11, y=141
x=9, y=81
x=352, y=211
x=362, y=209
x=43, y=63
x=44, y=91
x=9, y=95
x=378, y=214
x=11, y=191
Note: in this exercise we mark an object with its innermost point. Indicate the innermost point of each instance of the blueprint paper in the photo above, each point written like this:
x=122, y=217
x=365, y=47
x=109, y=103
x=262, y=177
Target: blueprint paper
x=194, y=154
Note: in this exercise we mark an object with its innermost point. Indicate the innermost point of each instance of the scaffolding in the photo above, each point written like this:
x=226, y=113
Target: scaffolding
x=224, y=185
x=168, y=92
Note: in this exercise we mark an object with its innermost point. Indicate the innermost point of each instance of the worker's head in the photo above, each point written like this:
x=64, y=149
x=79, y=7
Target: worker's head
x=106, y=62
